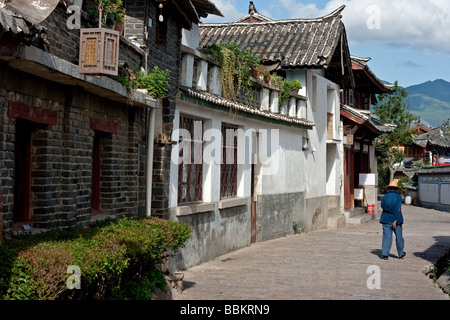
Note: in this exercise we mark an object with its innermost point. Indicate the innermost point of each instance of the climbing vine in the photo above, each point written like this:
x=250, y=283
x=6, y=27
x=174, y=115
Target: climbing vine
x=228, y=60
x=236, y=67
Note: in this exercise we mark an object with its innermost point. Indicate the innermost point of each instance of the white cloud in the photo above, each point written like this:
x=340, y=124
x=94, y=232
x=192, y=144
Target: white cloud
x=418, y=24
x=228, y=9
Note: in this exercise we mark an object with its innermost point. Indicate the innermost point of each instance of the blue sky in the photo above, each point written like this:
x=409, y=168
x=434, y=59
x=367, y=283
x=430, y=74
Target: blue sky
x=407, y=40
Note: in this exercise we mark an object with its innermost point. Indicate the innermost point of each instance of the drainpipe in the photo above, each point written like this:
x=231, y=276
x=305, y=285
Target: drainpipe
x=149, y=171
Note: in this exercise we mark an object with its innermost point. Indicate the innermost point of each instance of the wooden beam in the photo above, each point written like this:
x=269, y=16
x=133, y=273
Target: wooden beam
x=103, y=126
x=19, y=110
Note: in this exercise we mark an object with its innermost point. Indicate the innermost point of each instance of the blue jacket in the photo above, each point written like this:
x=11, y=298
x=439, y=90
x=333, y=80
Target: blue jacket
x=391, y=203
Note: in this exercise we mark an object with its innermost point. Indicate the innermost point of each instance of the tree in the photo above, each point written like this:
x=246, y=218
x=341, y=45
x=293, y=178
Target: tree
x=393, y=108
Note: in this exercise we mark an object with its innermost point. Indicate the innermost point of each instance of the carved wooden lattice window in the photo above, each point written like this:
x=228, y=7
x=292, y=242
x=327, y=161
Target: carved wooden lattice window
x=229, y=168
x=190, y=167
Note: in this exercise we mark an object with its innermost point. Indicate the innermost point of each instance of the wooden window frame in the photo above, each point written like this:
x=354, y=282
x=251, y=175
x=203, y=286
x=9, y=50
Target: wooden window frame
x=229, y=171
x=190, y=166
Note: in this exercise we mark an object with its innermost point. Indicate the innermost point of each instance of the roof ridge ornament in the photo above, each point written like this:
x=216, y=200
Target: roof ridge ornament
x=335, y=13
x=252, y=8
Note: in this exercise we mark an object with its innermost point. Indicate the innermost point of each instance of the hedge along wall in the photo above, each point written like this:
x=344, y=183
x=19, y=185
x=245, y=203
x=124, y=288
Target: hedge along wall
x=111, y=259
x=62, y=152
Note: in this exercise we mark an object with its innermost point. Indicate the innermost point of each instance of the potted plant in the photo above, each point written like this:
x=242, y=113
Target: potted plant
x=266, y=75
x=236, y=67
x=113, y=12
x=156, y=82
x=287, y=87
x=276, y=80
x=257, y=72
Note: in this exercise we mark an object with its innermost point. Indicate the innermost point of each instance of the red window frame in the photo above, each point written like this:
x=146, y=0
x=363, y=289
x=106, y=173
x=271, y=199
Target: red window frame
x=229, y=167
x=190, y=167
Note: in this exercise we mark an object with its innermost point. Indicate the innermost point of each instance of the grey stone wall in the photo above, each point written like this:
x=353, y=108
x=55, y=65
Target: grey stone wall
x=62, y=153
x=64, y=42
x=434, y=190
x=166, y=55
x=214, y=233
x=276, y=213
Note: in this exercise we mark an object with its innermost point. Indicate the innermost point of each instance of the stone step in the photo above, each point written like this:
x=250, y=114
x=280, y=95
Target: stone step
x=360, y=219
x=336, y=221
x=354, y=212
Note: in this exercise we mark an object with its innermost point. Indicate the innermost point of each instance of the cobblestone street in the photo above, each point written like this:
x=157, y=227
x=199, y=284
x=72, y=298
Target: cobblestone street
x=328, y=264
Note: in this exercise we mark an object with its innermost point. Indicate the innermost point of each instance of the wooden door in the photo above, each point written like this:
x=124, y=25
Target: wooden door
x=22, y=188
x=96, y=173
x=253, y=205
x=348, y=178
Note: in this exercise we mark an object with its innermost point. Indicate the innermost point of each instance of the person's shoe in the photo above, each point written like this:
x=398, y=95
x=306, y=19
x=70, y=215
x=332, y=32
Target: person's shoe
x=385, y=257
x=403, y=255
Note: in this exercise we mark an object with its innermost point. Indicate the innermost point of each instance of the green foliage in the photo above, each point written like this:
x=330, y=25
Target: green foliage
x=113, y=10
x=111, y=255
x=236, y=64
x=392, y=108
x=401, y=185
x=441, y=266
x=287, y=87
x=383, y=177
x=124, y=76
x=140, y=289
x=276, y=80
x=156, y=82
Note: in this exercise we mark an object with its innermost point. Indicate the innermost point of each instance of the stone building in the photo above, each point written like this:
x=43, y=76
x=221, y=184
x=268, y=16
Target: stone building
x=76, y=147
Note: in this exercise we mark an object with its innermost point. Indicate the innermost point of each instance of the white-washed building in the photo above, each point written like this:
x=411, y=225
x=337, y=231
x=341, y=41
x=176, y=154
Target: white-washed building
x=287, y=171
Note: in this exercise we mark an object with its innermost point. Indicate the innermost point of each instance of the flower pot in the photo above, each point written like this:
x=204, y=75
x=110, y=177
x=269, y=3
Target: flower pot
x=266, y=79
x=256, y=73
x=119, y=26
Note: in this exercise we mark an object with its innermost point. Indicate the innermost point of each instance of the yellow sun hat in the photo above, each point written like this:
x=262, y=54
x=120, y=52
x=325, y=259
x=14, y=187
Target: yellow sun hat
x=393, y=184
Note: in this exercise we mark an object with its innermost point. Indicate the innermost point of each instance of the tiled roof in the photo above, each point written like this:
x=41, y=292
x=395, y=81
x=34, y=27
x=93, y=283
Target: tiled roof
x=365, y=117
x=309, y=43
x=192, y=10
x=434, y=170
x=359, y=63
x=220, y=101
x=10, y=22
x=435, y=137
x=205, y=7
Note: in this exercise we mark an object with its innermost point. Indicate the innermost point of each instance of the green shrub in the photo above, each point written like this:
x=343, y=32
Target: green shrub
x=287, y=87
x=112, y=256
x=156, y=82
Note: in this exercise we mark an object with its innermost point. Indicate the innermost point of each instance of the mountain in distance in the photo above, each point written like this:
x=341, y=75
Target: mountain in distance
x=438, y=89
x=430, y=101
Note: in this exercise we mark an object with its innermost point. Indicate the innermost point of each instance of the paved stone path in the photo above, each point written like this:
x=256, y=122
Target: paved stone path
x=328, y=264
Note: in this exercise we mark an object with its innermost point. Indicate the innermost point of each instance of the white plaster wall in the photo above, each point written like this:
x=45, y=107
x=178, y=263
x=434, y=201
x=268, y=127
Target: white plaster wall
x=317, y=159
x=191, y=38
x=285, y=169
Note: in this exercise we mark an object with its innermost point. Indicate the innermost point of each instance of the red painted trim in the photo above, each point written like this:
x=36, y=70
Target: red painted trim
x=353, y=118
x=19, y=110
x=103, y=126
